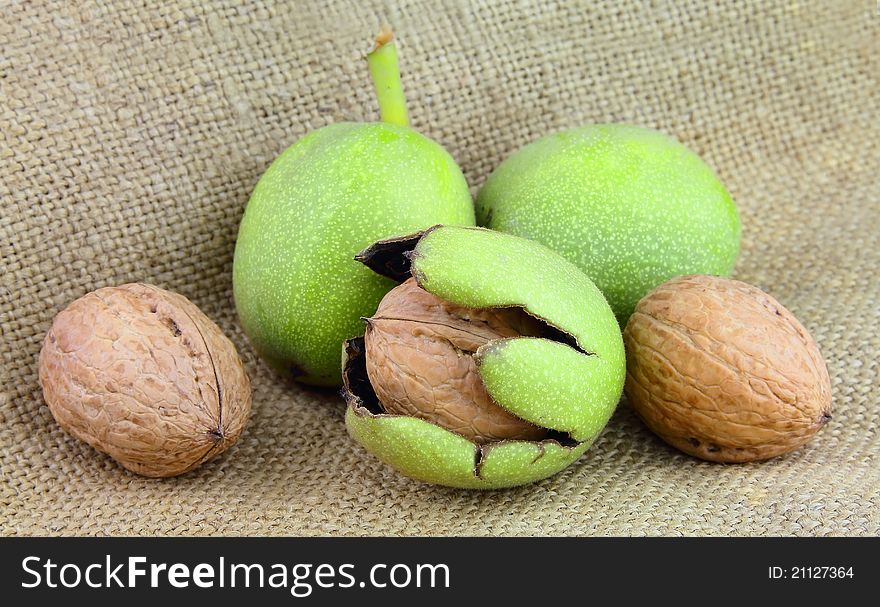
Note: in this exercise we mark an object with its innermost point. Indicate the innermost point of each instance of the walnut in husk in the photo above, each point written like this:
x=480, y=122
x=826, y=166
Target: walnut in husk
x=722, y=371
x=495, y=363
x=143, y=375
x=420, y=360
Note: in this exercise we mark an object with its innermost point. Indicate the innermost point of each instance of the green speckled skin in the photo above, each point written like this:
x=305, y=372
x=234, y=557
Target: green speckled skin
x=570, y=382
x=630, y=206
x=298, y=291
x=552, y=384
x=431, y=454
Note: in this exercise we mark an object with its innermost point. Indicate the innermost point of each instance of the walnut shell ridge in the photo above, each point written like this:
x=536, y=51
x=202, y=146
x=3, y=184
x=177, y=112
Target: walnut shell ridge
x=140, y=373
x=720, y=370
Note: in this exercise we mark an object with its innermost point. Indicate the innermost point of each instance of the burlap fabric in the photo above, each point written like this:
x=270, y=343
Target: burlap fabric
x=133, y=133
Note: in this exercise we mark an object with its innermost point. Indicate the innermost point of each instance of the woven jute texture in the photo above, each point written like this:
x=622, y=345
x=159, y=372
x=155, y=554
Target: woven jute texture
x=131, y=135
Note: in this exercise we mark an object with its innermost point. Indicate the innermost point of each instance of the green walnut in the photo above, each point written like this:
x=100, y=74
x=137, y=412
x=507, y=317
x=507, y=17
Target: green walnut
x=630, y=206
x=329, y=195
x=495, y=363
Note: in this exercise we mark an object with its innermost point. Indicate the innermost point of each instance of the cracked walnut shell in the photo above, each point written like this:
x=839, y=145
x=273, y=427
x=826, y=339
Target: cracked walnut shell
x=143, y=375
x=720, y=370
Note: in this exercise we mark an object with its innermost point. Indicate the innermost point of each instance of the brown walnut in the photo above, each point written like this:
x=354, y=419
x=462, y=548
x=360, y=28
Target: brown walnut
x=720, y=370
x=419, y=358
x=143, y=375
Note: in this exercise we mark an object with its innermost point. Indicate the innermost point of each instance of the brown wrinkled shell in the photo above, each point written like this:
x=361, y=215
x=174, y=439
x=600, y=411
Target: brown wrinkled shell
x=419, y=357
x=720, y=370
x=143, y=375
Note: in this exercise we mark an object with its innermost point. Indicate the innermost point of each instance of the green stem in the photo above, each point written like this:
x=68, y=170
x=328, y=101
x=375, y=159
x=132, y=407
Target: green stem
x=386, y=78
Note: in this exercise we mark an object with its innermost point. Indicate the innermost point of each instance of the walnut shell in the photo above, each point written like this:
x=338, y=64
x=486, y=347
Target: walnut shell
x=419, y=358
x=720, y=370
x=143, y=375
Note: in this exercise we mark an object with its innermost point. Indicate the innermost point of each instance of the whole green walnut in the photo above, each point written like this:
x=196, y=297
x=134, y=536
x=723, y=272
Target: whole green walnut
x=335, y=191
x=496, y=363
x=630, y=206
